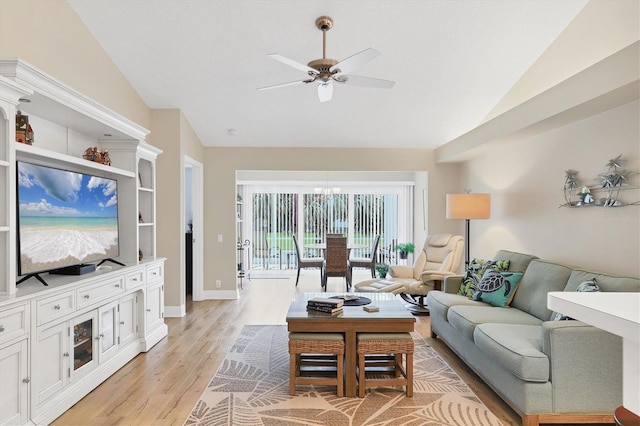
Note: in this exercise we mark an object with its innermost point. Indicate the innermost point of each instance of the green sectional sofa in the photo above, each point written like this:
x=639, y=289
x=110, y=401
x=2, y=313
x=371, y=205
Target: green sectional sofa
x=547, y=371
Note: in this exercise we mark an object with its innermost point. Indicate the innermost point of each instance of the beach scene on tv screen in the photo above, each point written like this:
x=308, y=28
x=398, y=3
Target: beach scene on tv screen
x=65, y=218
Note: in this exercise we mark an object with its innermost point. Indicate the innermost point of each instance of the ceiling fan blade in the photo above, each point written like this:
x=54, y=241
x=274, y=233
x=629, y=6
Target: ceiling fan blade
x=292, y=63
x=356, y=80
x=354, y=61
x=275, y=86
x=325, y=91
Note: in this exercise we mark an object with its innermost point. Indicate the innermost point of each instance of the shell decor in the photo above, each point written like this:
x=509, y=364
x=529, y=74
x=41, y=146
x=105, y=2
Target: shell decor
x=603, y=191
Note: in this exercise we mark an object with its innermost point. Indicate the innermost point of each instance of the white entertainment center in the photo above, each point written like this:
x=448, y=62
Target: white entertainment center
x=60, y=341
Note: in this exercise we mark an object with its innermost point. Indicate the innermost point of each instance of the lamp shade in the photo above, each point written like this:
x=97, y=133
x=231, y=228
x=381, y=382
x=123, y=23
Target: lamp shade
x=468, y=206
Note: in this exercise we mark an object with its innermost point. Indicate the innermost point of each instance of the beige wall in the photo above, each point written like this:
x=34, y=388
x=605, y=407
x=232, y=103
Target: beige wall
x=219, y=180
x=174, y=135
x=49, y=35
x=525, y=178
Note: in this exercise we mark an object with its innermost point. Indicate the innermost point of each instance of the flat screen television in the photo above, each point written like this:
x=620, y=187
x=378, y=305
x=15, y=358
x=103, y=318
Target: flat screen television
x=65, y=218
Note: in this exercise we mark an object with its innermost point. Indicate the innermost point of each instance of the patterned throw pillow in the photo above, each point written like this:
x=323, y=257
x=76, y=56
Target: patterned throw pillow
x=497, y=288
x=586, y=286
x=476, y=270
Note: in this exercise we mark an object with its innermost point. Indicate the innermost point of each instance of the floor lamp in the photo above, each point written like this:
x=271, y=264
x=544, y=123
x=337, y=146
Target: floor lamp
x=468, y=206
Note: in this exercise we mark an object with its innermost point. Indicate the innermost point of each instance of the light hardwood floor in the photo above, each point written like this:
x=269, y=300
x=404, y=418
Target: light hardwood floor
x=161, y=386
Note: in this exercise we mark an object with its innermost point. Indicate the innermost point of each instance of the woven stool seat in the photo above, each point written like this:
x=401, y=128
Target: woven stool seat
x=318, y=350
x=380, y=361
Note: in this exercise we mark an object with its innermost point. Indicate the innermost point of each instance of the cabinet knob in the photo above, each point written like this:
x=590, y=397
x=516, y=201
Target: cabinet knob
x=1, y=328
x=56, y=307
x=26, y=380
x=134, y=279
x=148, y=309
x=65, y=354
x=117, y=285
x=121, y=322
x=100, y=336
x=154, y=273
x=86, y=296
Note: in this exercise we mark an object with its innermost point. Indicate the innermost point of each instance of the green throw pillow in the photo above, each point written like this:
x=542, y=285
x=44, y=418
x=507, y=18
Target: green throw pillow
x=497, y=288
x=586, y=286
x=476, y=270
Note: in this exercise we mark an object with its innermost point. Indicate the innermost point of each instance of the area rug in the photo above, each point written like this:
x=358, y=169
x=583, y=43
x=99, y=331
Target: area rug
x=251, y=387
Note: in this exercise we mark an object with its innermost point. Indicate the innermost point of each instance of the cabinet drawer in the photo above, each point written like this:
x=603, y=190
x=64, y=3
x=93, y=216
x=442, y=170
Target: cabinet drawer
x=14, y=323
x=100, y=291
x=55, y=307
x=134, y=279
x=155, y=273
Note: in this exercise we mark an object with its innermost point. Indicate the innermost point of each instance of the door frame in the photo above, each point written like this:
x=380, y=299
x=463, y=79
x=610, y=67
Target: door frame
x=198, y=223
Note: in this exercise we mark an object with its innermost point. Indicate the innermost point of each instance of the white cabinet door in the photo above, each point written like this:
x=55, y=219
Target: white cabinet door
x=128, y=319
x=155, y=306
x=107, y=331
x=50, y=361
x=14, y=385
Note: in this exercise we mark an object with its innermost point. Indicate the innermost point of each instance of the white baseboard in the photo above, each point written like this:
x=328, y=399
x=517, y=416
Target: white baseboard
x=175, y=311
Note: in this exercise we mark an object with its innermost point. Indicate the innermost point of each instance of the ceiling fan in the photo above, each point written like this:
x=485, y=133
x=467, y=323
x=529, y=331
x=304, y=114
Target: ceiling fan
x=326, y=71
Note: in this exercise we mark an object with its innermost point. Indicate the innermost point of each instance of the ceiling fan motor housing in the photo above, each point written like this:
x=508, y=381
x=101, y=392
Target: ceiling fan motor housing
x=324, y=23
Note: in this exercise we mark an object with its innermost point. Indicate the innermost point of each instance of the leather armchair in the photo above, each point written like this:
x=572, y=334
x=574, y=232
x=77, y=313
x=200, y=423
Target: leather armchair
x=440, y=257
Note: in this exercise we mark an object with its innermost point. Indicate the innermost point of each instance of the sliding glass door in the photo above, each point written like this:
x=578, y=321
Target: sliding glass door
x=360, y=212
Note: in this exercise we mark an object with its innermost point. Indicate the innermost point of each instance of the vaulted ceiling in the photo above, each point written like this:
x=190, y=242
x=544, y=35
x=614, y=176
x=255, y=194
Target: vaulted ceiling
x=452, y=61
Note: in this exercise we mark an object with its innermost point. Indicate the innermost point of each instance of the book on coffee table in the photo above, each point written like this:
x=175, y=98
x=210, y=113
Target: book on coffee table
x=325, y=302
x=324, y=310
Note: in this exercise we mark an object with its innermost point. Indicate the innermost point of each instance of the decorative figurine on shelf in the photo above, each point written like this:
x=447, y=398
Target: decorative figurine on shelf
x=24, y=131
x=585, y=195
x=94, y=154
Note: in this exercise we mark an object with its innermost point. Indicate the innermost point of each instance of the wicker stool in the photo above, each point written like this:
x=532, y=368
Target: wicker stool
x=380, y=354
x=316, y=350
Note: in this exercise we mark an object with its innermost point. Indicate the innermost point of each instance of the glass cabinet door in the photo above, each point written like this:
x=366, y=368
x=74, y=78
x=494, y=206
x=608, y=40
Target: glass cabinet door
x=107, y=334
x=83, y=340
x=82, y=343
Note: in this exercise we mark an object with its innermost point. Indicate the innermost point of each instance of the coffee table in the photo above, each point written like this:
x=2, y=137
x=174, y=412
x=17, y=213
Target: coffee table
x=393, y=317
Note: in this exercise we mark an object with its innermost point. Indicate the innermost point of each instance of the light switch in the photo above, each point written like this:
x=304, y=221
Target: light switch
x=219, y=238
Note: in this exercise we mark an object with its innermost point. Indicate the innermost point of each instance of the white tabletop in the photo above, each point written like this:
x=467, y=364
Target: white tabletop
x=615, y=312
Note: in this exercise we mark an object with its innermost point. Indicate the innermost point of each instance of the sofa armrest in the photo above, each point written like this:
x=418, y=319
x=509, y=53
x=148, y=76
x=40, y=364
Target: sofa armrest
x=585, y=366
x=452, y=284
x=401, y=271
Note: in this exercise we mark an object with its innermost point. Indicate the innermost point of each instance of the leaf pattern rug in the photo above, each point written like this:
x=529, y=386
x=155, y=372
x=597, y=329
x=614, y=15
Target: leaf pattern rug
x=251, y=387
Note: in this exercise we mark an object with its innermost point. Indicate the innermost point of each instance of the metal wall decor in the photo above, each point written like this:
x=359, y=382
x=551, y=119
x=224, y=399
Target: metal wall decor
x=603, y=191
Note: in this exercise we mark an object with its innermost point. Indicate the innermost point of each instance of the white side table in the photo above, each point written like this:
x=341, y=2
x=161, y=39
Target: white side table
x=617, y=313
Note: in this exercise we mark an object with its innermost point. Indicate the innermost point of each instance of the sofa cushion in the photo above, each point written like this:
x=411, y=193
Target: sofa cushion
x=497, y=288
x=475, y=271
x=465, y=318
x=517, y=348
x=540, y=278
x=606, y=282
x=517, y=261
x=439, y=302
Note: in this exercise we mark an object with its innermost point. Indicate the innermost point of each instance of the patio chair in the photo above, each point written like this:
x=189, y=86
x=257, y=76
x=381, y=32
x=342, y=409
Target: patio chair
x=336, y=262
x=306, y=262
x=366, y=262
x=262, y=250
